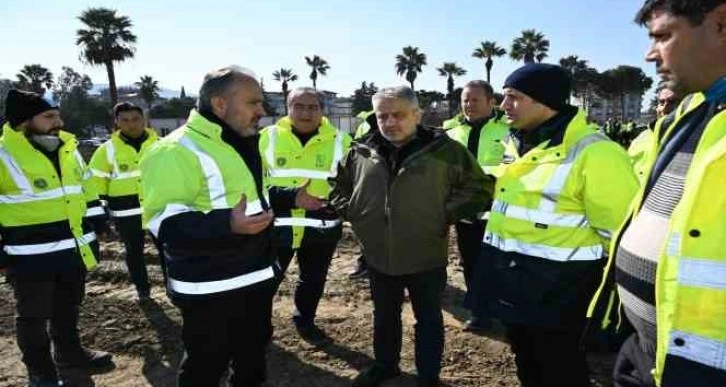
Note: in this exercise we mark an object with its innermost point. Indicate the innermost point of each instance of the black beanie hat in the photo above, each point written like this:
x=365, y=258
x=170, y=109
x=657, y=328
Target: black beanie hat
x=548, y=84
x=24, y=105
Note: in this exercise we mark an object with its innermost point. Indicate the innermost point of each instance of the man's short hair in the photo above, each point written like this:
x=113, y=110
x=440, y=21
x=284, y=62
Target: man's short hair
x=306, y=91
x=693, y=10
x=126, y=107
x=218, y=82
x=482, y=85
x=397, y=92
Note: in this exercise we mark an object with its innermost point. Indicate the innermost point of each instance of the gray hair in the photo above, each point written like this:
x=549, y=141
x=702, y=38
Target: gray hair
x=397, y=92
x=300, y=91
x=218, y=82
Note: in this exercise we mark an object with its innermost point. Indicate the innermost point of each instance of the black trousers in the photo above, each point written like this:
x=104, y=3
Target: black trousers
x=235, y=328
x=425, y=292
x=633, y=365
x=313, y=259
x=41, y=299
x=549, y=357
x=132, y=236
x=469, y=238
x=162, y=259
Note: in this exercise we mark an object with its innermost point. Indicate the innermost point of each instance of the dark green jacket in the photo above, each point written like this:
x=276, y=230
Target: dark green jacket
x=401, y=209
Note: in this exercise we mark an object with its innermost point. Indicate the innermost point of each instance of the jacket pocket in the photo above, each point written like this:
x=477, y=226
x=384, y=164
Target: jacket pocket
x=516, y=284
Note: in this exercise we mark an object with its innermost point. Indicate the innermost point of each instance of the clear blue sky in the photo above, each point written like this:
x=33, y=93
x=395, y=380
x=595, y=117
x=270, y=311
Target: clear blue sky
x=178, y=41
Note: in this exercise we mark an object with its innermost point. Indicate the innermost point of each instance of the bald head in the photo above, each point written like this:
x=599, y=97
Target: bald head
x=233, y=95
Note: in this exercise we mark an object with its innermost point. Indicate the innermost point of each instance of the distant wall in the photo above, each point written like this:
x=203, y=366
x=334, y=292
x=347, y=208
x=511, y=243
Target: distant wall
x=164, y=126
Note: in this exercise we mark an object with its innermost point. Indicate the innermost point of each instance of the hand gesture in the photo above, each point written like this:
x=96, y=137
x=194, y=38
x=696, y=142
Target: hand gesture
x=306, y=201
x=240, y=223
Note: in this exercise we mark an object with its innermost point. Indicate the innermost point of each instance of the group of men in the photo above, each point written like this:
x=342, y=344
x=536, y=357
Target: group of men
x=555, y=222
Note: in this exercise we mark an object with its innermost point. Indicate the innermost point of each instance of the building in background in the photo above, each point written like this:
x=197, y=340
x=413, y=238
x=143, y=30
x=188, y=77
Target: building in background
x=600, y=108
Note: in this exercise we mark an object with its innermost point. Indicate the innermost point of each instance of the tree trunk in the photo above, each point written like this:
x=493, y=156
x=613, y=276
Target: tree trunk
x=489, y=65
x=411, y=82
x=284, y=96
x=284, y=103
x=112, y=91
x=450, y=89
x=528, y=58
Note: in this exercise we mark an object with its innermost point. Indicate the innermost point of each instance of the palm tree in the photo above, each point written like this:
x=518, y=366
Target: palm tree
x=319, y=66
x=149, y=89
x=34, y=77
x=488, y=50
x=410, y=63
x=530, y=46
x=450, y=70
x=284, y=76
x=107, y=39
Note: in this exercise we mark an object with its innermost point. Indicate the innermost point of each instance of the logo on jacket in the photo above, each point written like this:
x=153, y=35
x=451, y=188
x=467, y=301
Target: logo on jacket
x=281, y=161
x=319, y=161
x=40, y=183
x=123, y=167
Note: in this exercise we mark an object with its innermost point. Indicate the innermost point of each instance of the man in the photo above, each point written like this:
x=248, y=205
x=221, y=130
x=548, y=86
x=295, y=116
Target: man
x=300, y=152
x=667, y=101
x=369, y=123
x=204, y=199
x=669, y=259
x=116, y=176
x=563, y=188
x=46, y=209
x=401, y=187
x=481, y=130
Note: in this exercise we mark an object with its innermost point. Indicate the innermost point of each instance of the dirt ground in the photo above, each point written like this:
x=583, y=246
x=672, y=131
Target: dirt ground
x=147, y=347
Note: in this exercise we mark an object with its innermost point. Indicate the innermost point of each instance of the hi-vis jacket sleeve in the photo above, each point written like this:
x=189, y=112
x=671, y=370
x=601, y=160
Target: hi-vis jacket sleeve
x=100, y=170
x=94, y=210
x=169, y=191
x=609, y=186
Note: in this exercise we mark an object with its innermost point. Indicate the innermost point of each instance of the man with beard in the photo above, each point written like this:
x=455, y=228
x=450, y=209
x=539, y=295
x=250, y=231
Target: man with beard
x=46, y=209
x=203, y=194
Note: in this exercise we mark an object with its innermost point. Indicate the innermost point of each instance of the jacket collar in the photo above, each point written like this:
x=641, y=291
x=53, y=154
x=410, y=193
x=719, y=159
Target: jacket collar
x=150, y=135
x=551, y=131
x=15, y=139
x=717, y=91
x=207, y=124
